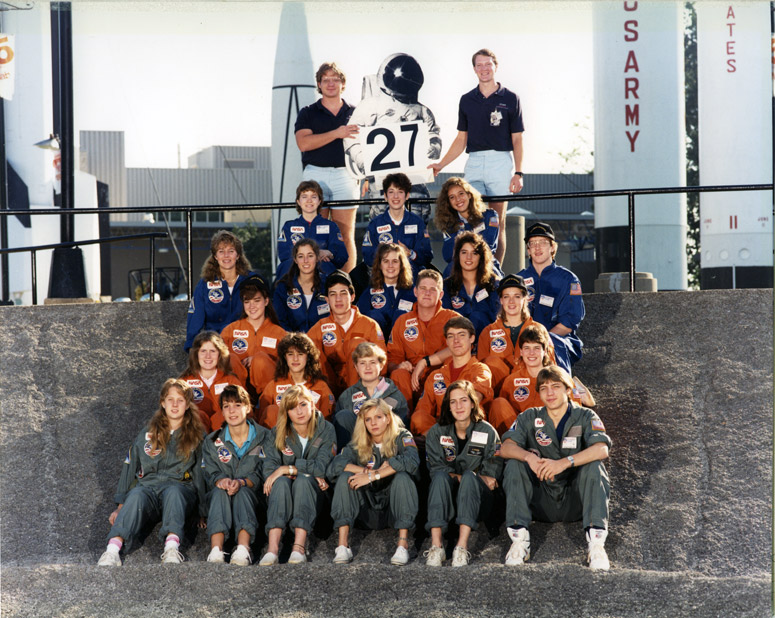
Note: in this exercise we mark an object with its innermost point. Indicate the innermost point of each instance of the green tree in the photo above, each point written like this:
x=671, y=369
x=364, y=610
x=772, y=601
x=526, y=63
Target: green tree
x=257, y=244
x=692, y=146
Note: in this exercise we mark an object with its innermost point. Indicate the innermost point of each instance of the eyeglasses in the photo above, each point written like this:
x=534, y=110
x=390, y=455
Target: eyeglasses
x=541, y=242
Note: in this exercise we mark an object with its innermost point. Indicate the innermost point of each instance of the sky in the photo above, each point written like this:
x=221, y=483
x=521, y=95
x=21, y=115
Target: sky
x=188, y=75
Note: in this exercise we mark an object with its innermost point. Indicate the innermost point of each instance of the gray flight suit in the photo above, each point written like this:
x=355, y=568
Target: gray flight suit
x=480, y=457
x=388, y=501
x=578, y=492
x=350, y=402
x=156, y=485
x=299, y=500
x=219, y=458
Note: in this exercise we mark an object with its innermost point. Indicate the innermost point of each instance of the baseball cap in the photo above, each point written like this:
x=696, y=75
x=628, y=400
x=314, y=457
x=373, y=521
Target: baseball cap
x=539, y=229
x=258, y=281
x=339, y=276
x=512, y=281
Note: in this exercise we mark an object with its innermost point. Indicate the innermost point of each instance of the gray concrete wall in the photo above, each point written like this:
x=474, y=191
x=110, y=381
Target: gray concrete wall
x=683, y=382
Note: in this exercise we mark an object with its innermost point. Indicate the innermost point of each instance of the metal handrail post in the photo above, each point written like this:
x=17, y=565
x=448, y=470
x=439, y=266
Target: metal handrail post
x=189, y=255
x=631, y=231
x=153, y=269
x=34, y=265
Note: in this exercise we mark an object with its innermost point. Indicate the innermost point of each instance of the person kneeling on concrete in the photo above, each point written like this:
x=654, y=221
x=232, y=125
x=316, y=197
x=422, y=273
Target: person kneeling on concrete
x=161, y=477
x=555, y=471
x=303, y=445
x=375, y=479
x=233, y=458
x=464, y=464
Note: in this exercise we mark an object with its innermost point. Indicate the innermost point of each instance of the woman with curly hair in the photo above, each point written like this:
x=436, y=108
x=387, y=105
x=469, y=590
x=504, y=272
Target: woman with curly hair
x=208, y=372
x=299, y=296
x=471, y=288
x=375, y=479
x=460, y=208
x=298, y=362
x=161, y=478
x=391, y=293
x=303, y=445
x=216, y=301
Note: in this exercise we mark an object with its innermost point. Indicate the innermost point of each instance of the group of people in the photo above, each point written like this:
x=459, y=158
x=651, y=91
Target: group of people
x=301, y=396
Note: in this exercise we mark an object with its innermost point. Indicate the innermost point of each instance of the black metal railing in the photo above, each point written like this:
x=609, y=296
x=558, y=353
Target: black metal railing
x=79, y=243
x=188, y=210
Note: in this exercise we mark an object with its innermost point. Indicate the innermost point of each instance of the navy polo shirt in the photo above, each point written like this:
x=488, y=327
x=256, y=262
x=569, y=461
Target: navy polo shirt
x=318, y=119
x=490, y=121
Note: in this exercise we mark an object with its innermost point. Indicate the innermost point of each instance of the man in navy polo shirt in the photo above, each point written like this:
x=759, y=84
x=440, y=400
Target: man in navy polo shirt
x=489, y=129
x=320, y=128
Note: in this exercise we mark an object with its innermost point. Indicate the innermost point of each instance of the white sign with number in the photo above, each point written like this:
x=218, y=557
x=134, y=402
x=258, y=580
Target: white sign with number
x=7, y=66
x=396, y=147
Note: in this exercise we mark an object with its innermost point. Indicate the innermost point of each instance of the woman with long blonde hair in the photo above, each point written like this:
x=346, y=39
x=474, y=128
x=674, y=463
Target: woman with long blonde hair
x=161, y=477
x=375, y=479
x=295, y=469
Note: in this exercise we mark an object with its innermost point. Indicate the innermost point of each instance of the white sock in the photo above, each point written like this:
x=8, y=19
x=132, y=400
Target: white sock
x=172, y=541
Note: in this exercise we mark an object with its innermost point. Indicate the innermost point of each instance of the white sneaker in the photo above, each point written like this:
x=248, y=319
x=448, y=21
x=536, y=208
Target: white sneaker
x=297, y=557
x=519, y=552
x=269, y=559
x=171, y=555
x=460, y=556
x=241, y=556
x=343, y=555
x=109, y=558
x=435, y=556
x=401, y=557
x=596, y=556
x=216, y=555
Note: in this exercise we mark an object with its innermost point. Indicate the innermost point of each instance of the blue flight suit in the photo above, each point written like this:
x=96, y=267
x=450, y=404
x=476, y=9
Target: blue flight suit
x=557, y=300
x=482, y=308
x=292, y=309
x=324, y=232
x=487, y=228
x=213, y=307
x=411, y=232
x=384, y=305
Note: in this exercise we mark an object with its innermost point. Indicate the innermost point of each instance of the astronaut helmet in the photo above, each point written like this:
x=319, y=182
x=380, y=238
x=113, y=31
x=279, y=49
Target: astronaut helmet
x=400, y=77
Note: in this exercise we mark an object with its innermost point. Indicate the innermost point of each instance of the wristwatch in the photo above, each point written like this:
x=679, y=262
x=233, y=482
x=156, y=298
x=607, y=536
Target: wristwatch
x=572, y=462
x=377, y=476
x=520, y=174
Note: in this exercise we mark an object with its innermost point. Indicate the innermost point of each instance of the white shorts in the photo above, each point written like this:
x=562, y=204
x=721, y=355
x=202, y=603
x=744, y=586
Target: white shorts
x=490, y=171
x=336, y=182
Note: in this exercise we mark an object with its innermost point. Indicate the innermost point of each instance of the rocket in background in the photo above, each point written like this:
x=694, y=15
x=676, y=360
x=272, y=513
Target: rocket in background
x=293, y=87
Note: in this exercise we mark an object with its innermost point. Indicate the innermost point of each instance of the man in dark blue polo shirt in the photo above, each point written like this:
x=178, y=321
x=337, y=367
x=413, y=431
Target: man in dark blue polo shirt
x=320, y=128
x=489, y=130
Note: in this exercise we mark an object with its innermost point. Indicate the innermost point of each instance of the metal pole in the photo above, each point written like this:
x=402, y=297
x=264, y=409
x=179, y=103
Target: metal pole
x=4, y=206
x=631, y=230
x=34, y=264
x=190, y=255
x=153, y=269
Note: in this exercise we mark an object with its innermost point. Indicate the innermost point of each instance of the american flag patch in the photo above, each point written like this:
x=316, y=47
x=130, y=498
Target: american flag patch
x=575, y=289
x=409, y=441
x=597, y=424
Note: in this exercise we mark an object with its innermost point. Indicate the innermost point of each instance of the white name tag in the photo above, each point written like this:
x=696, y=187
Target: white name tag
x=315, y=397
x=410, y=229
x=322, y=229
x=269, y=342
x=569, y=442
x=479, y=227
x=481, y=295
x=404, y=305
x=218, y=388
x=478, y=437
x=545, y=300
x=323, y=309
